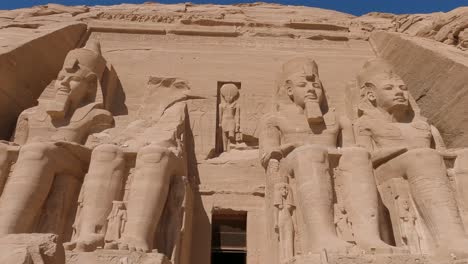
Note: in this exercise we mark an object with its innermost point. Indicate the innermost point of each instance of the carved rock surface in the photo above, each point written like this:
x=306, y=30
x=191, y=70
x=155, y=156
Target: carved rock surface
x=31, y=249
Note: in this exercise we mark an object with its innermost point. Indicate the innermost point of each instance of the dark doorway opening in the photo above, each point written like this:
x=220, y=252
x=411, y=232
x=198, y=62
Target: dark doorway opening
x=227, y=257
x=228, y=239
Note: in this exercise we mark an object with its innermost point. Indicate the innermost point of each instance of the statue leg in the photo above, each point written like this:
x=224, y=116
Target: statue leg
x=460, y=171
x=102, y=185
x=361, y=198
x=27, y=188
x=431, y=191
x=5, y=162
x=311, y=170
x=148, y=194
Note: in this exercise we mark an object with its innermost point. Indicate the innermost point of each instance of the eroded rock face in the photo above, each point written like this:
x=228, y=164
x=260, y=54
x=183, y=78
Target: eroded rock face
x=31, y=248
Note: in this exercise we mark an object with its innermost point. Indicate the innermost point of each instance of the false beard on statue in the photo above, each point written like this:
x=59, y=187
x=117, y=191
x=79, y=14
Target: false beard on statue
x=313, y=112
x=58, y=107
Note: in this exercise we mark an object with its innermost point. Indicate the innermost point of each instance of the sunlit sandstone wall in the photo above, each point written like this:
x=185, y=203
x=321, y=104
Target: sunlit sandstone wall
x=29, y=60
x=437, y=77
x=238, y=182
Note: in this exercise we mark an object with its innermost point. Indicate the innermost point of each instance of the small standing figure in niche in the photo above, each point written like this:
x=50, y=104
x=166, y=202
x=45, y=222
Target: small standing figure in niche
x=284, y=223
x=409, y=226
x=229, y=115
x=343, y=224
x=116, y=224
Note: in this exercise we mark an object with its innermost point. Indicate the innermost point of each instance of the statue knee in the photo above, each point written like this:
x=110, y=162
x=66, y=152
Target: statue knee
x=462, y=155
x=3, y=153
x=153, y=154
x=312, y=153
x=106, y=153
x=425, y=155
x=461, y=163
x=356, y=154
x=35, y=151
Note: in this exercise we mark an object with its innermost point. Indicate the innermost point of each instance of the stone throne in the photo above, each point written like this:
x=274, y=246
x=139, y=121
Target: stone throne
x=161, y=121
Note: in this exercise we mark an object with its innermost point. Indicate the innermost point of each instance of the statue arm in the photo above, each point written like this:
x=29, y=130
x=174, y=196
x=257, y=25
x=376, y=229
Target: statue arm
x=438, y=142
x=269, y=141
x=221, y=112
x=347, y=132
x=379, y=155
x=101, y=120
x=20, y=135
x=237, y=117
x=363, y=137
x=276, y=223
x=439, y=145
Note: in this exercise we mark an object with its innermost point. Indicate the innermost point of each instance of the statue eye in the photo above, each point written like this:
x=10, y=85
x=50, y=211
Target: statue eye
x=316, y=85
x=388, y=87
x=403, y=88
x=60, y=77
x=302, y=84
x=76, y=78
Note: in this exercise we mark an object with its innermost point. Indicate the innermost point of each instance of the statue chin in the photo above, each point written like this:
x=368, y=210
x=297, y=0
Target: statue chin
x=56, y=109
x=313, y=112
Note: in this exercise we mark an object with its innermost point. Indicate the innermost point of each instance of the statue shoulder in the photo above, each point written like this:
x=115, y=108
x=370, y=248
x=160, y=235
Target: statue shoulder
x=35, y=111
x=364, y=125
x=94, y=115
x=270, y=119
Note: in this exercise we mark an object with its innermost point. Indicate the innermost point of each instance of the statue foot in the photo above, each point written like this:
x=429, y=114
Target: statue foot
x=69, y=245
x=134, y=244
x=453, y=250
x=377, y=246
x=333, y=244
x=111, y=245
x=89, y=242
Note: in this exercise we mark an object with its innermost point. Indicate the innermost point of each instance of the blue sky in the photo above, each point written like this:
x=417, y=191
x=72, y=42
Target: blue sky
x=356, y=7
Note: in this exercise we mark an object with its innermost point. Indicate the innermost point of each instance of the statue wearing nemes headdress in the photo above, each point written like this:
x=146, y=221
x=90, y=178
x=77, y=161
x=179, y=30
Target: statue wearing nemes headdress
x=301, y=132
x=47, y=133
x=404, y=145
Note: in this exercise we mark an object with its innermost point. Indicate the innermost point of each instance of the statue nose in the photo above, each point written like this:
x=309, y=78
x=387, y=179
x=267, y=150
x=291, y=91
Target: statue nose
x=64, y=81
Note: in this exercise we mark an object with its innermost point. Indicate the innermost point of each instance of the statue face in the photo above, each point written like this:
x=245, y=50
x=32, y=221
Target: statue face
x=284, y=191
x=71, y=85
x=229, y=98
x=302, y=89
x=389, y=92
x=71, y=88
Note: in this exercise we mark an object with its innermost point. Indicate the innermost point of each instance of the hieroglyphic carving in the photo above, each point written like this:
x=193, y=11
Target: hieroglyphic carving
x=203, y=125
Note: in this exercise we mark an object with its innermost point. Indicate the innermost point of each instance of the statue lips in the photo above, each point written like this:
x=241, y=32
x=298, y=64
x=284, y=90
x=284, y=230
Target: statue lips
x=400, y=99
x=63, y=90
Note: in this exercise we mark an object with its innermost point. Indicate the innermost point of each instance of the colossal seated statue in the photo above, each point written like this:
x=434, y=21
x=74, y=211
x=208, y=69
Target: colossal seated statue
x=404, y=146
x=50, y=137
x=155, y=144
x=299, y=135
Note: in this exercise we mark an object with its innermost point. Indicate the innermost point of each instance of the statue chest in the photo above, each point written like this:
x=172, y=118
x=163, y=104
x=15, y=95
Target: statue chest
x=412, y=135
x=293, y=131
x=42, y=128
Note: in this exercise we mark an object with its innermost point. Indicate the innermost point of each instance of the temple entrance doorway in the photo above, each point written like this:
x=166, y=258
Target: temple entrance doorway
x=228, y=239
